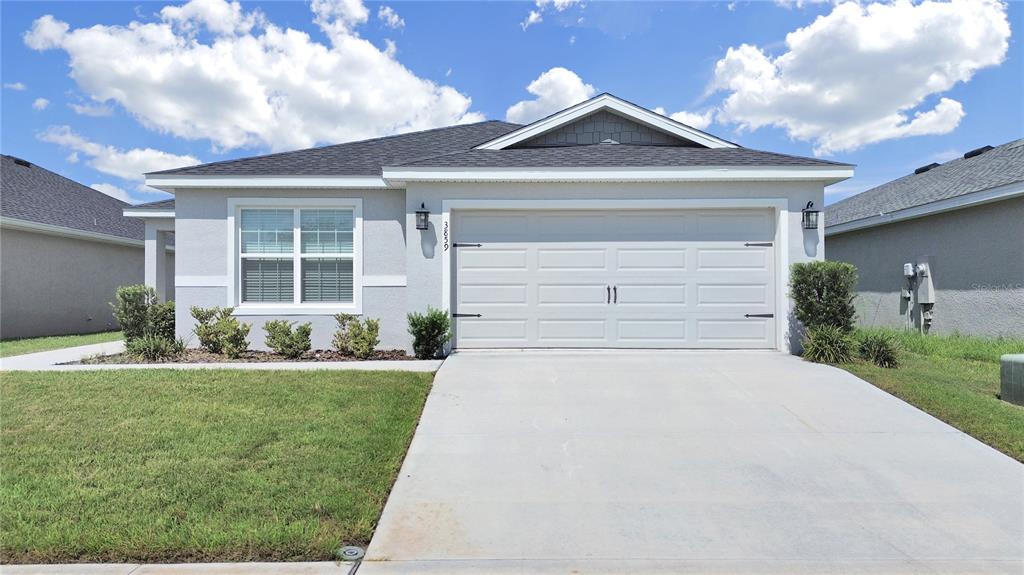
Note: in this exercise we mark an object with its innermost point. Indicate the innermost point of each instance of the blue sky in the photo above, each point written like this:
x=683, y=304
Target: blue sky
x=889, y=88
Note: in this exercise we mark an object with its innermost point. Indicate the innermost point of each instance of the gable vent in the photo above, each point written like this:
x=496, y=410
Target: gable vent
x=924, y=169
x=977, y=152
x=21, y=162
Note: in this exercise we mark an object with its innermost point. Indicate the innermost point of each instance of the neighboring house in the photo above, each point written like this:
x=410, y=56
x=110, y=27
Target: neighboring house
x=64, y=250
x=965, y=220
x=603, y=225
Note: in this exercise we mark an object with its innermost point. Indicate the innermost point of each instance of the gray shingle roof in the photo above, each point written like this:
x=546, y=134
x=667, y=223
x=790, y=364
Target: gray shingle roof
x=997, y=167
x=624, y=155
x=363, y=158
x=159, y=205
x=38, y=195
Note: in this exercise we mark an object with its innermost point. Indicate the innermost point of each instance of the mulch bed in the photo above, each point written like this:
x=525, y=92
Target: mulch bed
x=202, y=356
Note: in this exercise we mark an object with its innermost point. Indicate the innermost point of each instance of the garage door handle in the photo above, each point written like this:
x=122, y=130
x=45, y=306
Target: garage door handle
x=758, y=315
x=760, y=244
x=467, y=245
x=615, y=290
x=609, y=289
x=466, y=315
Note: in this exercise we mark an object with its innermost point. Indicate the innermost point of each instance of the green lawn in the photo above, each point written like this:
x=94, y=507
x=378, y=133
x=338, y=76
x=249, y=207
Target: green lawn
x=956, y=379
x=9, y=347
x=226, y=465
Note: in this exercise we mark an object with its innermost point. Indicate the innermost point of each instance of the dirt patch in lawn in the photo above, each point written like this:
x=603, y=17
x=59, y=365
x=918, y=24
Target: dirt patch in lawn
x=202, y=356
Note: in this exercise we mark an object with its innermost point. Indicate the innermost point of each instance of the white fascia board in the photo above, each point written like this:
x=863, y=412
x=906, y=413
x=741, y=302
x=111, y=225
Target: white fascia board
x=130, y=213
x=300, y=182
x=1006, y=192
x=399, y=175
x=606, y=101
x=61, y=231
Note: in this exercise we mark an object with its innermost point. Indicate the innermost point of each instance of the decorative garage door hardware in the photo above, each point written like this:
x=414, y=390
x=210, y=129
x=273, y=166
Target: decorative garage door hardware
x=758, y=244
x=468, y=245
x=749, y=315
x=466, y=315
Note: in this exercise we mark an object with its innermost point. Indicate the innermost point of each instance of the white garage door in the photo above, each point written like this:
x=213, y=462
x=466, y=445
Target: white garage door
x=641, y=279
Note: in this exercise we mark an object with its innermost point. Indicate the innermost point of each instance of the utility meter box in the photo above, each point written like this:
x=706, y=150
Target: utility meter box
x=925, y=287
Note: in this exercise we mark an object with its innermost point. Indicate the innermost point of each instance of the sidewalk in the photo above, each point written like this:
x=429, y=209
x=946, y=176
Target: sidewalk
x=50, y=360
x=317, y=568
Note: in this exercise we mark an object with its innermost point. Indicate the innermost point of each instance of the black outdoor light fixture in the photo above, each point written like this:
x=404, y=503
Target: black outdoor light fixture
x=422, y=217
x=810, y=216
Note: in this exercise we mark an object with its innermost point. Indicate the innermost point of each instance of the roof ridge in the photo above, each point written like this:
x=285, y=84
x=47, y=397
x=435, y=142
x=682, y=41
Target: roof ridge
x=327, y=146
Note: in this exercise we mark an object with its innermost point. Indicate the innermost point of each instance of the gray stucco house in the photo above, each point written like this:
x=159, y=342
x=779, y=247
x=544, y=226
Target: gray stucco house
x=603, y=225
x=962, y=222
x=64, y=250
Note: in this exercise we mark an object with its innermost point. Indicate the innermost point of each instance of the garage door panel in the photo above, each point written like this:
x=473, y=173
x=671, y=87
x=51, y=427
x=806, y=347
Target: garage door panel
x=684, y=279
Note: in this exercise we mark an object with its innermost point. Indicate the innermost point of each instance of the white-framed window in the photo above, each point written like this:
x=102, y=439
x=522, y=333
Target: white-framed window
x=295, y=256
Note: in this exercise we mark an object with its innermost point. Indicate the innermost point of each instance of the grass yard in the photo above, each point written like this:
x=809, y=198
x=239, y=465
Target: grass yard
x=956, y=379
x=225, y=465
x=9, y=347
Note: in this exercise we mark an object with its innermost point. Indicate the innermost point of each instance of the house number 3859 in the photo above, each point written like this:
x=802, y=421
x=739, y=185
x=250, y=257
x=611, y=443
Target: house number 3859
x=445, y=235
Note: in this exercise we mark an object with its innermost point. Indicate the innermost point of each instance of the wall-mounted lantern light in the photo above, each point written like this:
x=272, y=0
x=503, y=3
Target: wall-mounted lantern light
x=810, y=216
x=422, y=217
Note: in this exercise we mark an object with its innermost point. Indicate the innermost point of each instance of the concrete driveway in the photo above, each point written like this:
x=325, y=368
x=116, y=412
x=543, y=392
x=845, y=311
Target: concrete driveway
x=689, y=462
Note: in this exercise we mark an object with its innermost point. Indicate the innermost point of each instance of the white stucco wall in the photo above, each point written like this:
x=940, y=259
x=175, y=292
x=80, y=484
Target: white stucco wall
x=977, y=260
x=201, y=237
x=53, y=285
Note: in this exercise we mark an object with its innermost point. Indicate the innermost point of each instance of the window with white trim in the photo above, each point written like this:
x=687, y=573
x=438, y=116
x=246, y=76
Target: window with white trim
x=297, y=255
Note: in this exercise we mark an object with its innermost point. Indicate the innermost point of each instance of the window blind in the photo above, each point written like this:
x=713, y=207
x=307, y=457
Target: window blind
x=326, y=231
x=268, y=280
x=326, y=280
x=267, y=232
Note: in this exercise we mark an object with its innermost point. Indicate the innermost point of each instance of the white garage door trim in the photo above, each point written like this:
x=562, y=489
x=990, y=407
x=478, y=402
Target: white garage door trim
x=779, y=205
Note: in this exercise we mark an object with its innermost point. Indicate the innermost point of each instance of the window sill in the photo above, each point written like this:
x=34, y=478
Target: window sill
x=296, y=309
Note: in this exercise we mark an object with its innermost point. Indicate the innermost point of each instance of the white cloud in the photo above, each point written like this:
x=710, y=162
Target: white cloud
x=252, y=83
x=72, y=158
x=556, y=89
x=572, y=40
x=126, y=164
x=390, y=18
x=94, y=110
x=532, y=18
x=40, y=104
x=113, y=191
x=693, y=119
x=536, y=16
x=859, y=74
x=16, y=86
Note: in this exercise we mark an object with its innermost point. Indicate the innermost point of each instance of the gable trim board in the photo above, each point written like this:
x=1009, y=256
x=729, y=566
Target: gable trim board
x=602, y=102
x=778, y=206
x=61, y=231
x=1008, y=191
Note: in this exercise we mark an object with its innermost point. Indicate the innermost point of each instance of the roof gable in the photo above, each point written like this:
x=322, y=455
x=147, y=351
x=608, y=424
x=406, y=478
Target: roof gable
x=560, y=121
x=605, y=127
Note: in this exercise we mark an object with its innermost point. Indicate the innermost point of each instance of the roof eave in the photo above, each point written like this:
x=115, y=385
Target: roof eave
x=169, y=183
x=828, y=175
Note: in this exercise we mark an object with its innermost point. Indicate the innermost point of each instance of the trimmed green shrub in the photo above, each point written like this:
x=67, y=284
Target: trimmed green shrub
x=823, y=294
x=879, y=348
x=430, y=332
x=155, y=348
x=131, y=309
x=219, y=332
x=288, y=342
x=356, y=338
x=827, y=344
x=161, y=320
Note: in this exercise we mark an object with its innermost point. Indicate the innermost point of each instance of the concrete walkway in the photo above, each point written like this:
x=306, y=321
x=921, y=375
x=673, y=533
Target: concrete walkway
x=51, y=360
x=691, y=462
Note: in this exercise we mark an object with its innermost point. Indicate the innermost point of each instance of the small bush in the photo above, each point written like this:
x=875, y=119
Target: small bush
x=356, y=338
x=430, y=332
x=160, y=321
x=132, y=309
x=284, y=340
x=827, y=344
x=219, y=332
x=823, y=294
x=879, y=348
x=155, y=348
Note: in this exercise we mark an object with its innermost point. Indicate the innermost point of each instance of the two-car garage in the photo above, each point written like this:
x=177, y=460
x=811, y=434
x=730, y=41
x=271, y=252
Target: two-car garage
x=667, y=278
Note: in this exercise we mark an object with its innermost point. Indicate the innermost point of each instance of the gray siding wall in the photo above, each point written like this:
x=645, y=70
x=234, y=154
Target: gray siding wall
x=977, y=261
x=201, y=237
x=424, y=247
x=601, y=126
x=52, y=285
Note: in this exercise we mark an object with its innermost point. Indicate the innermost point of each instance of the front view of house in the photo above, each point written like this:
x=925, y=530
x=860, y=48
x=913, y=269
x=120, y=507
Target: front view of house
x=605, y=225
